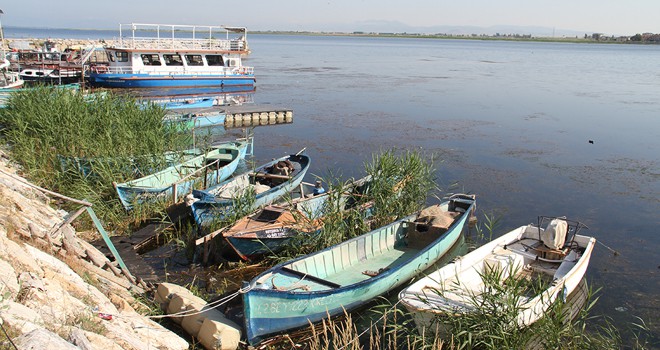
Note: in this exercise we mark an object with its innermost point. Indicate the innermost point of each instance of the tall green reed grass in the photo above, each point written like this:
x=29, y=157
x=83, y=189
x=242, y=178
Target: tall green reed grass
x=398, y=185
x=76, y=145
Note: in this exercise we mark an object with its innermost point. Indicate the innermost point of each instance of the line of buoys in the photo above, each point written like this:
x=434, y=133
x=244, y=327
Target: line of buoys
x=238, y=120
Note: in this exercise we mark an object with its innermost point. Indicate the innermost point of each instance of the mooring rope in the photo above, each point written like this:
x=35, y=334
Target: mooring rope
x=208, y=306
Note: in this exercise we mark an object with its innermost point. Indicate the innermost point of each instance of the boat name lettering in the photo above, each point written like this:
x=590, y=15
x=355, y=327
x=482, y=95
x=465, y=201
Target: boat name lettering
x=284, y=307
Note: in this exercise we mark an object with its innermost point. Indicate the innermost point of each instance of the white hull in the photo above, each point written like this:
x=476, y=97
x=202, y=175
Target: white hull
x=452, y=289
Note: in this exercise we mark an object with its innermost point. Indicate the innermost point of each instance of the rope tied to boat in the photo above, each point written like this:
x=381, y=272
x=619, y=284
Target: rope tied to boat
x=293, y=286
x=211, y=305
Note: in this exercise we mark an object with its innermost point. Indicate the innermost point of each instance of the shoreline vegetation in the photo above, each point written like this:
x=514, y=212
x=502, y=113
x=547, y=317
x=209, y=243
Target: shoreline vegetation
x=588, y=38
x=596, y=38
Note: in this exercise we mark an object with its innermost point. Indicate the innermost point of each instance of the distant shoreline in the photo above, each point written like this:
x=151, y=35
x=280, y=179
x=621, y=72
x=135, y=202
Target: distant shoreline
x=113, y=33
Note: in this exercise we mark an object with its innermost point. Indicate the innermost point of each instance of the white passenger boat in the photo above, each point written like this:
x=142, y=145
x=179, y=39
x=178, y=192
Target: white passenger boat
x=158, y=55
x=530, y=252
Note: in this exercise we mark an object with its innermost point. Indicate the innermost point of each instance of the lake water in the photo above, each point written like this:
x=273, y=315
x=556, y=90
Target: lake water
x=509, y=121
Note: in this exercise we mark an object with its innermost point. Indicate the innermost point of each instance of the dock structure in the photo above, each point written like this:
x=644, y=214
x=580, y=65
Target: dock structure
x=235, y=116
x=254, y=115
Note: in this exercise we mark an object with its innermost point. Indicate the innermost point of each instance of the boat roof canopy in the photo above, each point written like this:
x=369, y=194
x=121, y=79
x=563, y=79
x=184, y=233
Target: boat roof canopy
x=179, y=27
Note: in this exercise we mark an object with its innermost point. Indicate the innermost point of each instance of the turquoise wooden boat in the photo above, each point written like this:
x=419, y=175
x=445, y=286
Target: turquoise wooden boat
x=270, y=182
x=173, y=183
x=348, y=275
x=201, y=119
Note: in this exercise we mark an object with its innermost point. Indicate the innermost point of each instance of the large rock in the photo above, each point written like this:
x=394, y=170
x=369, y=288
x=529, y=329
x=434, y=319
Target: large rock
x=54, y=303
x=92, y=341
x=20, y=317
x=8, y=280
x=143, y=334
x=18, y=257
x=40, y=339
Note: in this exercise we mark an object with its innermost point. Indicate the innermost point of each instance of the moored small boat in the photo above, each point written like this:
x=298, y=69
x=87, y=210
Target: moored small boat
x=55, y=75
x=9, y=80
x=348, y=275
x=269, y=182
x=553, y=264
x=174, y=182
x=271, y=228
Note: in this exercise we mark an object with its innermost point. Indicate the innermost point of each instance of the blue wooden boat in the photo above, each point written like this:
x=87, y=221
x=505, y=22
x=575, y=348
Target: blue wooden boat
x=348, y=275
x=206, y=56
x=173, y=183
x=272, y=228
x=187, y=103
x=200, y=119
x=269, y=182
x=87, y=166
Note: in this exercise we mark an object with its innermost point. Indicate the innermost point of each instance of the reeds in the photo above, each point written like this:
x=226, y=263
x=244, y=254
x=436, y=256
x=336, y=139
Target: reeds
x=397, y=185
x=78, y=146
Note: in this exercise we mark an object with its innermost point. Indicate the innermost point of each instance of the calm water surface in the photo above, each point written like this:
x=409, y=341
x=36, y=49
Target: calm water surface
x=509, y=121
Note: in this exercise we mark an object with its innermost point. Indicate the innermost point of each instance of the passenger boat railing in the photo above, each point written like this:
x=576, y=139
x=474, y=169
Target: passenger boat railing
x=182, y=37
x=160, y=71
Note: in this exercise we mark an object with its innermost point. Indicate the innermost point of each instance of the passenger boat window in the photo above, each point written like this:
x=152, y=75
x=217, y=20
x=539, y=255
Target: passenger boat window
x=194, y=60
x=150, y=59
x=215, y=60
x=122, y=56
x=111, y=57
x=173, y=60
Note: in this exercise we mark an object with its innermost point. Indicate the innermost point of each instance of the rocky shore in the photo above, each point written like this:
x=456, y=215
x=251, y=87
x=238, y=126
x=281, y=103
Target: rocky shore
x=60, y=45
x=53, y=293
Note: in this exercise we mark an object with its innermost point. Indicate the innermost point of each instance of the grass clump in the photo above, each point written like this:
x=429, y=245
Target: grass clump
x=78, y=146
x=396, y=185
x=400, y=185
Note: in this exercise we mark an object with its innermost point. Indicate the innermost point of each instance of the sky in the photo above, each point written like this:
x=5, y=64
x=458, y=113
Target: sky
x=611, y=17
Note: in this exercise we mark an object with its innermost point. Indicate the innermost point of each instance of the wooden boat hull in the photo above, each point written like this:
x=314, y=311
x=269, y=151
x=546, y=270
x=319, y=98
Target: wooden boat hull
x=208, y=207
x=190, y=120
x=161, y=185
x=271, y=229
x=326, y=283
x=452, y=289
x=261, y=242
x=199, y=103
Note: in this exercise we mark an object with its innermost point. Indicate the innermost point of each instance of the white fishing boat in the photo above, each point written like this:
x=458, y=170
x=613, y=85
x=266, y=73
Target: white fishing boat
x=50, y=75
x=159, y=55
x=530, y=252
x=8, y=79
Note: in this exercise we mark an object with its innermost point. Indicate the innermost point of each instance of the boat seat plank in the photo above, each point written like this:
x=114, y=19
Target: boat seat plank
x=310, y=277
x=221, y=156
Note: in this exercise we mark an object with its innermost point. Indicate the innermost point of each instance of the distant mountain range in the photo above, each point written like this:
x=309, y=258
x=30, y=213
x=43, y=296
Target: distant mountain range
x=398, y=27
